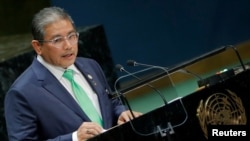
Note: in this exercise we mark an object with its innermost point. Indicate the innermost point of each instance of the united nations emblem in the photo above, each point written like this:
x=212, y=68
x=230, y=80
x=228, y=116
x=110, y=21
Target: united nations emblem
x=221, y=109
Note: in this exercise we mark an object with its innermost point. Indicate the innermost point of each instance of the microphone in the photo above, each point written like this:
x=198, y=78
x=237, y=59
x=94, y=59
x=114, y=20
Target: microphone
x=191, y=73
x=118, y=94
x=163, y=132
x=134, y=63
x=238, y=56
x=121, y=69
x=170, y=129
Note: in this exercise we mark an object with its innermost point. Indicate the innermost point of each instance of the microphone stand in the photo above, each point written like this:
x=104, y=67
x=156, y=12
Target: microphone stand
x=163, y=132
x=134, y=63
x=152, y=87
x=238, y=56
x=122, y=98
x=169, y=130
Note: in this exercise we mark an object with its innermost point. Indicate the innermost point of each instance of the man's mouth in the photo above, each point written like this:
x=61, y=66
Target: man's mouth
x=68, y=55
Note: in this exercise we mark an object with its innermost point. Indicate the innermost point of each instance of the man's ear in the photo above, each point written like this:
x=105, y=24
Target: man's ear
x=36, y=46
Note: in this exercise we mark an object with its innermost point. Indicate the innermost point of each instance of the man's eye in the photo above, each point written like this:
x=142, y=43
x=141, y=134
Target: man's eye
x=72, y=36
x=57, y=40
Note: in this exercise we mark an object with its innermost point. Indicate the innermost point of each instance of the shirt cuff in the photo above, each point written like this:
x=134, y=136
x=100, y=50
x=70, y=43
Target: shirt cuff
x=74, y=136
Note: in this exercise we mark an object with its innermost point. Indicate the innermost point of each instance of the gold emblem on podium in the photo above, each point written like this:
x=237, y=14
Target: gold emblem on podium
x=221, y=109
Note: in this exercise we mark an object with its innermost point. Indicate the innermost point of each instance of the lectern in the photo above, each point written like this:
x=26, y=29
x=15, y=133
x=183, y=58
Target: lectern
x=181, y=119
x=220, y=101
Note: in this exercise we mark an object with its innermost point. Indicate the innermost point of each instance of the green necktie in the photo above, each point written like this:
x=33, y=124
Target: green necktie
x=82, y=98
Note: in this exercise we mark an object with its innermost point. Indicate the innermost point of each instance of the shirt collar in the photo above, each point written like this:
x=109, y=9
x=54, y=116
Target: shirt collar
x=56, y=71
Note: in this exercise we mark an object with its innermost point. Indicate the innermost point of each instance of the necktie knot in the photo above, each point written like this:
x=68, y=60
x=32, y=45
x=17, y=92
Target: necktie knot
x=68, y=74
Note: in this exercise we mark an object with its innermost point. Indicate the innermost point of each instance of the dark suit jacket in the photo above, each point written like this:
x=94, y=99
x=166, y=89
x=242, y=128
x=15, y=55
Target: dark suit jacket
x=38, y=107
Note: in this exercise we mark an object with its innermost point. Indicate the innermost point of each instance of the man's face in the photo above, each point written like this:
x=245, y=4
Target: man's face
x=61, y=52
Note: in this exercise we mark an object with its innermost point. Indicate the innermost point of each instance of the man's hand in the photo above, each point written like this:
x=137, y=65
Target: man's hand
x=127, y=116
x=88, y=130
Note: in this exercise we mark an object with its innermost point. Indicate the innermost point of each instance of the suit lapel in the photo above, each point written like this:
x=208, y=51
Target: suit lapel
x=56, y=89
x=93, y=82
x=89, y=76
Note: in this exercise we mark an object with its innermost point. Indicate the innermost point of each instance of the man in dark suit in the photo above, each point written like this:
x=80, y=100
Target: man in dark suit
x=41, y=104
